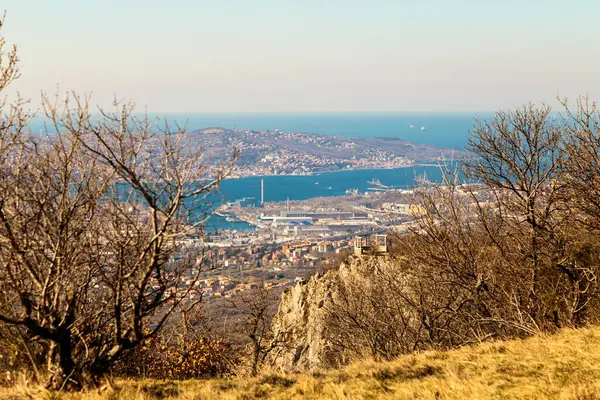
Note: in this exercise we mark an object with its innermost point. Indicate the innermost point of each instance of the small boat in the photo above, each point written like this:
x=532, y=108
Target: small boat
x=422, y=128
x=317, y=182
x=411, y=126
x=329, y=188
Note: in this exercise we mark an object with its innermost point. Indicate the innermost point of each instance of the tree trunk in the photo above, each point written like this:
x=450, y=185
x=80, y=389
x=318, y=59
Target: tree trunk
x=66, y=376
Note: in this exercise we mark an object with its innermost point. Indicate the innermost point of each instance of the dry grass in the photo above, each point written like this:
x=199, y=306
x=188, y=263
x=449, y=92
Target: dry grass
x=563, y=366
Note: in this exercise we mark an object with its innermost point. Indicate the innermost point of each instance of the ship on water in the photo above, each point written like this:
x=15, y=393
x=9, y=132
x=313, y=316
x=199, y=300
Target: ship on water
x=377, y=182
x=378, y=185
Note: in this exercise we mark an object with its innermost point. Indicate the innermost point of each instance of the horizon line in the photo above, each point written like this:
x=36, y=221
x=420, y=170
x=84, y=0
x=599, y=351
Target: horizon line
x=322, y=112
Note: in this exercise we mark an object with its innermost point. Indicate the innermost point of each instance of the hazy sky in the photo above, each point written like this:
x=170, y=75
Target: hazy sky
x=309, y=55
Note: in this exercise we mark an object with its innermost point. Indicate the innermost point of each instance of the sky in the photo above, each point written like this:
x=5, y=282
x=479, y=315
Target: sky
x=308, y=55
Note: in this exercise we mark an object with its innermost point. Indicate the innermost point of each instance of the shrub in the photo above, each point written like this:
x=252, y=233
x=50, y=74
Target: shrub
x=160, y=359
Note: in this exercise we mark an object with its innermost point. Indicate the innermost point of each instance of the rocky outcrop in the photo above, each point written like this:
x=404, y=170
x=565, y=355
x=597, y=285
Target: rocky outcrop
x=302, y=324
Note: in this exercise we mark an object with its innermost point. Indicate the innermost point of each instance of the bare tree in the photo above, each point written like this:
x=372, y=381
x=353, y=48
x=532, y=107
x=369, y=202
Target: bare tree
x=255, y=310
x=520, y=152
x=520, y=156
x=91, y=214
x=582, y=172
x=512, y=253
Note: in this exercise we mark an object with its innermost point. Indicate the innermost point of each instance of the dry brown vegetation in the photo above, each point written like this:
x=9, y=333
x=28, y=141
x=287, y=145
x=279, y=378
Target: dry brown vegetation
x=91, y=211
x=561, y=366
x=90, y=216
x=515, y=253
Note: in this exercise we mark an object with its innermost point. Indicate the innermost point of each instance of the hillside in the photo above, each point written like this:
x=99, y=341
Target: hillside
x=565, y=366
x=275, y=152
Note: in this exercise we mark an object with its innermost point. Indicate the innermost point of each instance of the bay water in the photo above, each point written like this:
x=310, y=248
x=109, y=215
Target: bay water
x=449, y=130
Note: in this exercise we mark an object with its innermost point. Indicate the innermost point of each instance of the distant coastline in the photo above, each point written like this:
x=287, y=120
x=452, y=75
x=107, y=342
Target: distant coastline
x=443, y=129
x=432, y=163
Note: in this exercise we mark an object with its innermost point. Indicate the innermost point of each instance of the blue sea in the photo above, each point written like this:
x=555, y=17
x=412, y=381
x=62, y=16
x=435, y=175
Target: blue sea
x=280, y=188
x=444, y=130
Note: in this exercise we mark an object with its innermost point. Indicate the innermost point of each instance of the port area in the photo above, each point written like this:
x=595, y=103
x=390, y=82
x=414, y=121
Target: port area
x=317, y=218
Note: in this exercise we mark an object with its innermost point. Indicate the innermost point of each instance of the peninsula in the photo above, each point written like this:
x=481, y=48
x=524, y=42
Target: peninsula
x=292, y=153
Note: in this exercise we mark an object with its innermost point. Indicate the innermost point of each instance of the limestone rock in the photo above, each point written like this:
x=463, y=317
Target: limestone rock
x=301, y=324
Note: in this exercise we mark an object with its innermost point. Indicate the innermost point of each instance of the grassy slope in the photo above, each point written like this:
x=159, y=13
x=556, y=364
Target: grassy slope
x=566, y=365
